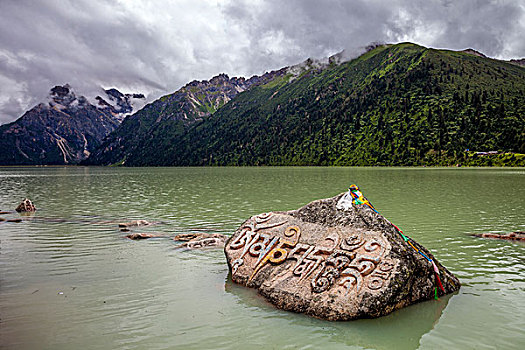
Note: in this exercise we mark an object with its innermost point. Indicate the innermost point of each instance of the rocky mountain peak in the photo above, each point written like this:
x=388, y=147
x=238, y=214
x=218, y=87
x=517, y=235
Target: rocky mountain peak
x=114, y=93
x=221, y=78
x=61, y=91
x=66, y=127
x=62, y=95
x=118, y=104
x=113, y=102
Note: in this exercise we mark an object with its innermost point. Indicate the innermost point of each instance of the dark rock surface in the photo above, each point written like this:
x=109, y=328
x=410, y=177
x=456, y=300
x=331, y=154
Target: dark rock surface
x=513, y=236
x=118, y=104
x=336, y=264
x=25, y=206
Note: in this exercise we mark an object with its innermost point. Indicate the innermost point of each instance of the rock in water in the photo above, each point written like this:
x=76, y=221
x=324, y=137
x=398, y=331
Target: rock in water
x=134, y=223
x=513, y=236
x=25, y=206
x=138, y=236
x=14, y=220
x=336, y=264
x=196, y=236
x=200, y=240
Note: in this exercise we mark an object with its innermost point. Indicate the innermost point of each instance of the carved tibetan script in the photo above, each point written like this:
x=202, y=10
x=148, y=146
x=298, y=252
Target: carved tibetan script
x=350, y=261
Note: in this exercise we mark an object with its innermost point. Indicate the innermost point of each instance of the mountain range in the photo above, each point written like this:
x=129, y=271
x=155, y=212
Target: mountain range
x=173, y=114
x=65, y=129
x=399, y=104
x=394, y=105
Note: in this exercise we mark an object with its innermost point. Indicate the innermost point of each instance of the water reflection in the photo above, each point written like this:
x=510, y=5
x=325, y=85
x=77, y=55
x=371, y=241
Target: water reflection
x=402, y=329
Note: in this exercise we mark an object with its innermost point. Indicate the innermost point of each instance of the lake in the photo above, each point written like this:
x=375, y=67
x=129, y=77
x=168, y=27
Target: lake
x=70, y=280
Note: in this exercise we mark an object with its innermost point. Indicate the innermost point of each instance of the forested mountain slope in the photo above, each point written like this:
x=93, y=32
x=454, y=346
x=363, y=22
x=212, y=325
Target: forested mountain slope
x=171, y=115
x=395, y=105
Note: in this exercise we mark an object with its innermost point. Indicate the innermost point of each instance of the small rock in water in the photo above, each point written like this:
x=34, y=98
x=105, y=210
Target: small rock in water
x=187, y=236
x=134, y=223
x=14, y=220
x=513, y=236
x=336, y=262
x=137, y=236
x=2, y=219
x=193, y=236
x=25, y=206
x=201, y=240
x=4, y=212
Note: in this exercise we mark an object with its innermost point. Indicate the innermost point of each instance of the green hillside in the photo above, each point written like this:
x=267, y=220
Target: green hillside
x=395, y=105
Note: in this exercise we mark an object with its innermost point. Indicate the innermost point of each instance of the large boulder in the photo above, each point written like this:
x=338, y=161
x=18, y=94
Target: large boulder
x=335, y=259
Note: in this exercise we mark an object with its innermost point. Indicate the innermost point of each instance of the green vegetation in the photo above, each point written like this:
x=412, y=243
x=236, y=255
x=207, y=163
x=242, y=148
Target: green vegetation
x=169, y=115
x=277, y=82
x=395, y=105
x=502, y=160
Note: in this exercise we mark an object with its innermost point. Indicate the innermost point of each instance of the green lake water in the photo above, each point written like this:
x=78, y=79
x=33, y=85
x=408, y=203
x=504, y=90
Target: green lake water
x=70, y=280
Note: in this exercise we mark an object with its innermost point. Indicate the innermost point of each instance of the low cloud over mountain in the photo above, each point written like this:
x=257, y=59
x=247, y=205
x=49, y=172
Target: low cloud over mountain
x=156, y=47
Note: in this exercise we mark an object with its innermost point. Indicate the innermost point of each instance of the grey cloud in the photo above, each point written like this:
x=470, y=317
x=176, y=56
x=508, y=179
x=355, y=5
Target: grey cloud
x=156, y=47
x=86, y=43
x=44, y=44
x=495, y=28
x=316, y=28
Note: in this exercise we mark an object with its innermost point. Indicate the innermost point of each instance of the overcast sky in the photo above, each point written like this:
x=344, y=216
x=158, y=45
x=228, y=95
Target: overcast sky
x=155, y=47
